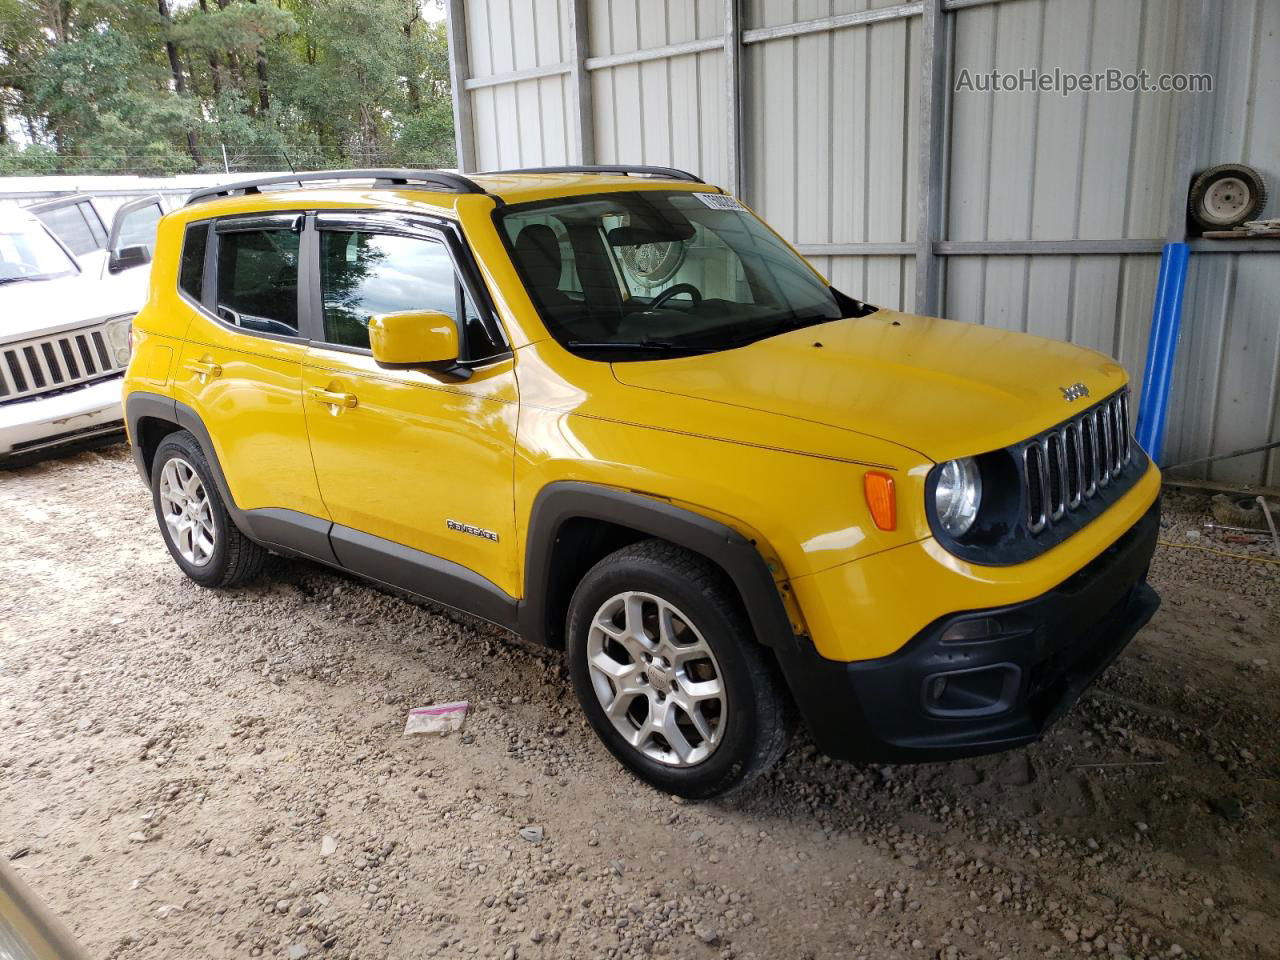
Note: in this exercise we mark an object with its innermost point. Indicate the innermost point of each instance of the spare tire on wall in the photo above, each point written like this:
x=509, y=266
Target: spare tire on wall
x=1226, y=196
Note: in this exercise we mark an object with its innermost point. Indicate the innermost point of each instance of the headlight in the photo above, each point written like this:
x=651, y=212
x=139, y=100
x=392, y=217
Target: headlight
x=958, y=495
x=120, y=336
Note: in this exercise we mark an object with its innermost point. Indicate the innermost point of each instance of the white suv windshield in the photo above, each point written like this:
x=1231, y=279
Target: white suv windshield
x=27, y=252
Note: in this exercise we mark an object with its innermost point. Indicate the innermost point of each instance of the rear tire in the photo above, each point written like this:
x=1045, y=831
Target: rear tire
x=201, y=536
x=670, y=675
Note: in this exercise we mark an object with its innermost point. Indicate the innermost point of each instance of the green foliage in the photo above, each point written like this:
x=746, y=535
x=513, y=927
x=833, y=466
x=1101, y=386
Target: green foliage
x=106, y=107
x=241, y=27
x=425, y=139
x=28, y=161
x=162, y=86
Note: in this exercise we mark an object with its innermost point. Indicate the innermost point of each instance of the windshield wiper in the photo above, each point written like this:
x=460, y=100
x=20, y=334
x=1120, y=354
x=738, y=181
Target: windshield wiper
x=647, y=346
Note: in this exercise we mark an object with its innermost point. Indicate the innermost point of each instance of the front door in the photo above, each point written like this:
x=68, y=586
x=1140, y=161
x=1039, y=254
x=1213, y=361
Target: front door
x=414, y=457
x=240, y=368
x=134, y=225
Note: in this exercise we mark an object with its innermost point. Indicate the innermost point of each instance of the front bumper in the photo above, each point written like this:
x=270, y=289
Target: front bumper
x=72, y=416
x=982, y=680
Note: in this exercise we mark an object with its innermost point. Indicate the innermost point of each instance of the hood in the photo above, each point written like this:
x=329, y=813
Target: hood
x=34, y=308
x=943, y=388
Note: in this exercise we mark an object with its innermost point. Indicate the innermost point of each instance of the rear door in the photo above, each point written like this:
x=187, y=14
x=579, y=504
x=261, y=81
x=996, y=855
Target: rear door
x=241, y=365
x=414, y=457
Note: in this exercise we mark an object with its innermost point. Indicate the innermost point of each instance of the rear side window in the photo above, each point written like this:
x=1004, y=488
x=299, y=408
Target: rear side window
x=363, y=274
x=258, y=280
x=191, y=271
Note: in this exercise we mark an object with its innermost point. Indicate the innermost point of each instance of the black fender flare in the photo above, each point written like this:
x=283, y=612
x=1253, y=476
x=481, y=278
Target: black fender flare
x=563, y=501
x=154, y=406
x=140, y=404
x=285, y=531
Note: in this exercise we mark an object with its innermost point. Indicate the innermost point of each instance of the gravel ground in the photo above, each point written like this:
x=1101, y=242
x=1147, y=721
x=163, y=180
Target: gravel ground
x=186, y=773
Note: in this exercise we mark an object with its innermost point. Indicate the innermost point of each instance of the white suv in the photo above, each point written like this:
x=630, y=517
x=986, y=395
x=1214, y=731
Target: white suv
x=64, y=331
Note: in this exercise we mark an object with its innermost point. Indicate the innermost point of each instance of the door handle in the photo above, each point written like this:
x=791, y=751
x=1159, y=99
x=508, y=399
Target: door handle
x=204, y=369
x=335, y=401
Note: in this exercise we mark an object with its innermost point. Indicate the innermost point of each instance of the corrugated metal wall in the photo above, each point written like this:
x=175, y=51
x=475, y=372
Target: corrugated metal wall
x=831, y=140
x=829, y=132
x=523, y=122
x=1227, y=383
x=1040, y=166
x=667, y=111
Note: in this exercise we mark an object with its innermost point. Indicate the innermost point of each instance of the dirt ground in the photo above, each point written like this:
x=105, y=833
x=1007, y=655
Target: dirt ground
x=186, y=773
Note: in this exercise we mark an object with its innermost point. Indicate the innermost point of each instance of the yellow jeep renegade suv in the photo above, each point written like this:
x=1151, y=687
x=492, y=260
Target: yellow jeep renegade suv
x=609, y=409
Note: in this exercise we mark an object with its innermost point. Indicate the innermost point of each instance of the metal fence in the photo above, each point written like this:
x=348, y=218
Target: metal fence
x=840, y=121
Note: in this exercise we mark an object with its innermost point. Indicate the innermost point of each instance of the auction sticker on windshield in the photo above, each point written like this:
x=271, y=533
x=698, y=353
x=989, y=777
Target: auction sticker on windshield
x=719, y=201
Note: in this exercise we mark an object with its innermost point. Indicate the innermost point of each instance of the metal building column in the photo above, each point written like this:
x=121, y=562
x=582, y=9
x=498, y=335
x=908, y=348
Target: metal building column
x=930, y=168
x=733, y=99
x=464, y=133
x=583, y=119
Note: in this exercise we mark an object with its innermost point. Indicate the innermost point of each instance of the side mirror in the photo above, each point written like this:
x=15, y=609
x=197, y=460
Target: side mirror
x=416, y=338
x=126, y=258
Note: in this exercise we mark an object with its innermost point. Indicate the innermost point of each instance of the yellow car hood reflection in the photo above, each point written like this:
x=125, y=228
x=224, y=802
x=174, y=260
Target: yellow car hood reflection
x=942, y=388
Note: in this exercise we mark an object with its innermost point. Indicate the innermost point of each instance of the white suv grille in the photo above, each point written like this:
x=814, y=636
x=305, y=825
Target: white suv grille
x=41, y=365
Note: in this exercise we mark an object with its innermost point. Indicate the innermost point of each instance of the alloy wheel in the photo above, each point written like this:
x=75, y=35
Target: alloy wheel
x=657, y=679
x=187, y=512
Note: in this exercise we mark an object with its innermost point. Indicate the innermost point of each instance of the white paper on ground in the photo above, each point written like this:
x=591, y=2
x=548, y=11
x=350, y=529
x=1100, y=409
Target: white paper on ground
x=440, y=718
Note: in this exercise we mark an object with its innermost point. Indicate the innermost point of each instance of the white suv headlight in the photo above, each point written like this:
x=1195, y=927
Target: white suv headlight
x=120, y=336
x=958, y=495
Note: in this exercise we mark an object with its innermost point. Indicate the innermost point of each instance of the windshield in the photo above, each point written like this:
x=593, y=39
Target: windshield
x=646, y=273
x=27, y=252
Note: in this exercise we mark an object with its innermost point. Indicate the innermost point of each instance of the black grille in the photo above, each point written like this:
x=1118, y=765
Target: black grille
x=1067, y=466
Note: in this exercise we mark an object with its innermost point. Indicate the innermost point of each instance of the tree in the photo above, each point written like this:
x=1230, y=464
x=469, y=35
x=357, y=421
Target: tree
x=158, y=85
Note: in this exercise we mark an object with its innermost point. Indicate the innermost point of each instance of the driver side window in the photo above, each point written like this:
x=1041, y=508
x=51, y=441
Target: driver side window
x=362, y=274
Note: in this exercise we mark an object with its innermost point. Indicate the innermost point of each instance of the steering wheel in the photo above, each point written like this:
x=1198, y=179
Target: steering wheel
x=675, y=291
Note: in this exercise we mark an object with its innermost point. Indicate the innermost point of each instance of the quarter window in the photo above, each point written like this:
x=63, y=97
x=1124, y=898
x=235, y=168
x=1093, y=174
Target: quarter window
x=191, y=272
x=258, y=280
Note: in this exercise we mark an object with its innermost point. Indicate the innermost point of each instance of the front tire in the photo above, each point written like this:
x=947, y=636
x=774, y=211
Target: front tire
x=200, y=534
x=670, y=675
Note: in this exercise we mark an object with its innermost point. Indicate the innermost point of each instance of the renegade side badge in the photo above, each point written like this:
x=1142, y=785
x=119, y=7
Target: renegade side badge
x=474, y=531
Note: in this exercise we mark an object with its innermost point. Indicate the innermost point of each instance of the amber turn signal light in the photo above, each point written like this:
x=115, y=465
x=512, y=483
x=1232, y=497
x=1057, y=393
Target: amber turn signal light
x=880, y=498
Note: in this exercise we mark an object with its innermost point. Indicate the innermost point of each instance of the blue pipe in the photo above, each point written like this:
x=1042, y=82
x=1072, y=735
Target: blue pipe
x=1166, y=319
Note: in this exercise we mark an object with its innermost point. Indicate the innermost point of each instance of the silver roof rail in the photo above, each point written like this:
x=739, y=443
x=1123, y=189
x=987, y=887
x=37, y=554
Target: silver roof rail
x=441, y=180
x=624, y=169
